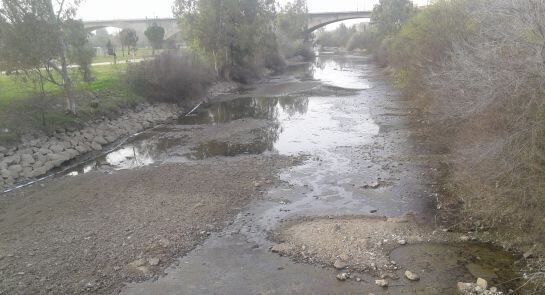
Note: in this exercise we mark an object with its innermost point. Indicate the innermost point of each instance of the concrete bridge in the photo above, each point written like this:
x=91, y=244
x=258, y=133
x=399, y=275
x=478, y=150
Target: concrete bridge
x=139, y=25
x=318, y=20
x=315, y=21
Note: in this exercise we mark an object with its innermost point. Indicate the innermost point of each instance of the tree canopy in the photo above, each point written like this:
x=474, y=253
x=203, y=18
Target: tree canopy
x=128, y=38
x=236, y=35
x=292, y=20
x=38, y=38
x=390, y=15
x=155, y=35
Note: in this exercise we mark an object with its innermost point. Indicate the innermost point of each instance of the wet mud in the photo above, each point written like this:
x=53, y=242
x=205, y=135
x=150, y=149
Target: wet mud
x=364, y=159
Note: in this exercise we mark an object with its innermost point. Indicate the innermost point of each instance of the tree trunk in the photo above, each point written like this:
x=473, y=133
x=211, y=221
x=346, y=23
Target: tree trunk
x=215, y=63
x=67, y=82
x=70, y=103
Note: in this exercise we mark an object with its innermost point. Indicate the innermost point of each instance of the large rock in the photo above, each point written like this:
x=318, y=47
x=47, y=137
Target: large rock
x=57, y=148
x=41, y=158
x=57, y=159
x=38, y=164
x=82, y=149
x=39, y=171
x=110, y=137
x=12, y=160
x=5, y=173
x=381, y=283
x=27, y=173
x=339, y=264
x=27, y=160
x=44, y=151
x=15, y=171
x=482, y=283
x=89, y=136
x=48, y=165
x=465, y=288
x=411, y=276
x=343, y=276
x=72, y=153
x=100, y=140
x=15, y=168
x=66, y=143
x=96, y=146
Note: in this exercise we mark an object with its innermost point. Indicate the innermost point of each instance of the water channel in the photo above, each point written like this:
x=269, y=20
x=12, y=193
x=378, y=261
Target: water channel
x=353, y=129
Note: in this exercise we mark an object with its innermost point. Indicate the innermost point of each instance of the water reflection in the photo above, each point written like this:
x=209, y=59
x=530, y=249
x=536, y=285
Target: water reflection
x=263, y=108
x=341, y=72
x=293, y=125
x=142, y=150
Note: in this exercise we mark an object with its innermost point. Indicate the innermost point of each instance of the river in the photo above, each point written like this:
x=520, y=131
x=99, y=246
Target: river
x=364, y=156
x=322, y=172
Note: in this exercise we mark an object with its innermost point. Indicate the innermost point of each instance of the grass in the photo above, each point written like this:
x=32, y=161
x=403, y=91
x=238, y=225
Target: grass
x=23, y=111
x=140, y=53
x=15, y=88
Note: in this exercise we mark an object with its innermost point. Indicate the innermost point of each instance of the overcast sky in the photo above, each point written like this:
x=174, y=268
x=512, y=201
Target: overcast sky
x=123, y=9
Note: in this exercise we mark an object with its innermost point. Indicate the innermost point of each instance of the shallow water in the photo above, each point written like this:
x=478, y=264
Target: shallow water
x=301, y=124
x=459, y=262
x=350, y=140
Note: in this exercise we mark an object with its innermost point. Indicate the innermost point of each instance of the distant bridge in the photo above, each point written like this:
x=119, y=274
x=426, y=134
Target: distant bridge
x=315, y=21
x=318, y=20
x=139, y=25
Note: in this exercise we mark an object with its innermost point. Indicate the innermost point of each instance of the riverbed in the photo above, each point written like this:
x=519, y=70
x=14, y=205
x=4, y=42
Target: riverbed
x=256, y=192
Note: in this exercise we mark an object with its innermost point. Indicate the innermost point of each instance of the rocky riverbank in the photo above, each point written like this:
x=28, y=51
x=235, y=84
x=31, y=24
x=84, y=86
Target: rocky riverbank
x=35, y=157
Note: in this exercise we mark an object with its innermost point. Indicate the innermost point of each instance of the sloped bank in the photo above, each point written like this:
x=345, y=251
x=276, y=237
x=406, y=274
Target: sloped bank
x=34, y=158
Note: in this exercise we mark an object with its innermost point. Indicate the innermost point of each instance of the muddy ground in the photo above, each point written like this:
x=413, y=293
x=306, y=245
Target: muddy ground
x=80, y=234
x=278, y=189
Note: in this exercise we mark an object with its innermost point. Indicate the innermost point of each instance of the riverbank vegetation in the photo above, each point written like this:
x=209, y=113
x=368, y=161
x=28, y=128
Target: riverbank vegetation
x=46, y=58
x=476, y=68
x=170, y=77
x=26, y=112
x=291, y=31
x=239, y=49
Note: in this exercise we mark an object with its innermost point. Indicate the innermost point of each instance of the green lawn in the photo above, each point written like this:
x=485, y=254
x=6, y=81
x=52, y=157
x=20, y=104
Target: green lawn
x=106, y=76
x=140, y=53
x=22, y=111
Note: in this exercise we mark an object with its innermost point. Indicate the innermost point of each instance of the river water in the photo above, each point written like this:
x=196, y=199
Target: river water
x=353, y=130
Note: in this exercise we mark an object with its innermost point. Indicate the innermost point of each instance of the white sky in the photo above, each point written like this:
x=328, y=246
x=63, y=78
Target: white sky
x=124, y=9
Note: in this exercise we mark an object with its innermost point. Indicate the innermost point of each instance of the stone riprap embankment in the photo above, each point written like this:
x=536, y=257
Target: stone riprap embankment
x=36, y=157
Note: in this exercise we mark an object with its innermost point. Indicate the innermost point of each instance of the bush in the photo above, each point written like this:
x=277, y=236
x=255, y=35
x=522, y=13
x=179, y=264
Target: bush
x=170, y=77
x=424, y=43
x=492, y=86
x=481, y=67
x=295, y=48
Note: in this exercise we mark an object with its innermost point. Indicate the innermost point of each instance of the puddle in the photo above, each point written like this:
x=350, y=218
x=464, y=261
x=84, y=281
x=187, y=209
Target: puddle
x=142, y=150
x=442, y=265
